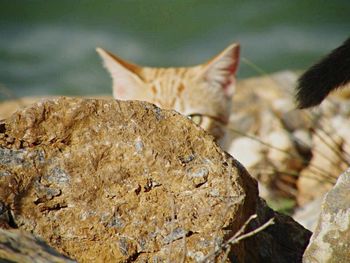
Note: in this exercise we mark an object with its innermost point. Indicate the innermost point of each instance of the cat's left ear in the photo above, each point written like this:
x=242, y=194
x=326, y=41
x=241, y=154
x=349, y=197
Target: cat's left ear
x=221, y=70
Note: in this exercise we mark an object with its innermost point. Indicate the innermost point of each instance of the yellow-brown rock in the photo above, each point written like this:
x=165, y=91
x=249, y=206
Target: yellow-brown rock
x=113, y=181
x=110, y=181
x=8, y=107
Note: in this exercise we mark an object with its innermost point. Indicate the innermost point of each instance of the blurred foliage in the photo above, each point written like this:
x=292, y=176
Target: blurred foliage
x=283, y=205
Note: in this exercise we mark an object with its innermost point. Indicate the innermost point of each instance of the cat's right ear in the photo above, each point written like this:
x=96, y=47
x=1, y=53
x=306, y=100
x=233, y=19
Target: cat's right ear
x=221, y=70
x=127, y=82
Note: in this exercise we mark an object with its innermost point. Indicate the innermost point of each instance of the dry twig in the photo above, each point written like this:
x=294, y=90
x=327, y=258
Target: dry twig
x=236, y=238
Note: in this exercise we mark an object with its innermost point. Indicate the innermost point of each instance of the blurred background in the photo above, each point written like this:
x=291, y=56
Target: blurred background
x=48, y=47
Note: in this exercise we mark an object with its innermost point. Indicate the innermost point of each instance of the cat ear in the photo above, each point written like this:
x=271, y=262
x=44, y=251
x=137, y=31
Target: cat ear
x=221, y=70
x=127, y=83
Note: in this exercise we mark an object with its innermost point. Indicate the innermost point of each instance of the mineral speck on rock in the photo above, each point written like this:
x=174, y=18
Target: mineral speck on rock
x=13, y=157
x=139, y=145
x=58, y=175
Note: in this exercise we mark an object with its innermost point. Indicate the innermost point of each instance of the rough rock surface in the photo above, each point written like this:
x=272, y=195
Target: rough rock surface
x=20, y=246
x=331, y=239
x=8, y=107
x=296, y=155
x=109, y=181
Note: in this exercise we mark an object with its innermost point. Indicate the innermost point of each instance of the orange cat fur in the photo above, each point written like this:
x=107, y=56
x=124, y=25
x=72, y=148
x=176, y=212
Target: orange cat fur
x=203, y=92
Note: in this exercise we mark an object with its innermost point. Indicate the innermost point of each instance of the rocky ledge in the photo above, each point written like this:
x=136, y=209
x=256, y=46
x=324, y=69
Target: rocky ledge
x=112, y=181
x=21, y=246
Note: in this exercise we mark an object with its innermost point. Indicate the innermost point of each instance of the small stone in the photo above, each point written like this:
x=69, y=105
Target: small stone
x=281, y=145
x=10, y=140
x=303, y=139
x=283, y=105
x=247, y=151
x=199, y=176
x=187, y=159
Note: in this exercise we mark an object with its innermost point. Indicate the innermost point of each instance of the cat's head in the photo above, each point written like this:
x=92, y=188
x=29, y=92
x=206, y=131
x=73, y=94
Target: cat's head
x=202, y=92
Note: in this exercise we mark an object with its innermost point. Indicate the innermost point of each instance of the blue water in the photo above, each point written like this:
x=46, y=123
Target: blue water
x=48, y=47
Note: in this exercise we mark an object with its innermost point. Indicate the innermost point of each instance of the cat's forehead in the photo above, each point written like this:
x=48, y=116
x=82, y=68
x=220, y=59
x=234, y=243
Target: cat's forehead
x=150, y=74
x=182, y=90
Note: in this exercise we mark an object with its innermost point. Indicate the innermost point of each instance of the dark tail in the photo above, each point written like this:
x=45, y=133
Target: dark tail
x=330, y=73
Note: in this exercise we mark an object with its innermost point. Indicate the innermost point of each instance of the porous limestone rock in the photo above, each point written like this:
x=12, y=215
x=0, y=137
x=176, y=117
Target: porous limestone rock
x=331, y=239
x=10, y=106
x=113, y=181
x=20, y=246
x=311, y=159
x=263, y=106
x=107, y=180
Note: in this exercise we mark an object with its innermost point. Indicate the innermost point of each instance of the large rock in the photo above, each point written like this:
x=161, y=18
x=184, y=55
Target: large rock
x=295, y=155
x=290, y=152
x=331, y=240
x=111, y=181
x=20, y=246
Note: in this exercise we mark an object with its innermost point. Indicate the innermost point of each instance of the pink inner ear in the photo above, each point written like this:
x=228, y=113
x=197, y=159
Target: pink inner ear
x=235, y=60
x=232, y=69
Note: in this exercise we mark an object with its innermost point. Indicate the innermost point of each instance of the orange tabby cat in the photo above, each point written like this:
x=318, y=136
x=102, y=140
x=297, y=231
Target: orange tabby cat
x=202, y=92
